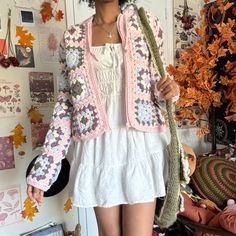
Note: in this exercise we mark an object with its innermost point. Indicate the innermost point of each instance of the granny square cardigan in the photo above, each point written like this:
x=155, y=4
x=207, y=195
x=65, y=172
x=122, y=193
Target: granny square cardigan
x=79, y=113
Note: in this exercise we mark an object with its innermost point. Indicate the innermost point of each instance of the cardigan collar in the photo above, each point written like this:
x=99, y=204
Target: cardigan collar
x=121, y=26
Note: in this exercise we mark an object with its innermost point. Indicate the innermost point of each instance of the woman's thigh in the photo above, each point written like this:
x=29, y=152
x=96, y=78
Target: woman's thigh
x=108, y=220
x=137, y=219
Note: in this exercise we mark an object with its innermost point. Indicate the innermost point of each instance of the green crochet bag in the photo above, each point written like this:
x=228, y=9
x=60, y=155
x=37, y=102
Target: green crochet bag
x=177, y=161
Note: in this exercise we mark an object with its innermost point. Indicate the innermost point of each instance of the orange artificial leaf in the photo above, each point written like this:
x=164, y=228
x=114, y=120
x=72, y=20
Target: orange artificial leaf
x=203, y=131
x=232, y=47
x=233, y=108
x=17, y=137
x=46, y=11
x=186, y=114
x=20, y=31
x=231, y=118
x=26, y=38
x=34, y=115
x=231, y=93
x=59, y=15
x=30, y=209
x=228, y=5
x=68, y=205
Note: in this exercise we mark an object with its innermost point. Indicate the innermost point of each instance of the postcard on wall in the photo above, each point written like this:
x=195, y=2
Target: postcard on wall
x=10, y=98
x=7, y=160
x=41, y=87
x=49, y=41
x=27, y=17
x=39, y=131
x=10, y=205
x=25, y=56
x=3, y=47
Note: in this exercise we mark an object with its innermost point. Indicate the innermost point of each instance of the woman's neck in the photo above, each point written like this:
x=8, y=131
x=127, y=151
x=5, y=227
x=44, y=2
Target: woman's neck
x=106, y=13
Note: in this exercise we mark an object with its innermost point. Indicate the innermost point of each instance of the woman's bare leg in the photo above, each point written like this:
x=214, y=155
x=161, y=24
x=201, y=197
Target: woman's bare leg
x=108, y=220
x=137, y=219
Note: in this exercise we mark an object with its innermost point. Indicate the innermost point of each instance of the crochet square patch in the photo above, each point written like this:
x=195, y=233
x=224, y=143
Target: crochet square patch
x=74, y=57
x=42, y=166
x=143, y=81
x=85, y=120
x=147, y=113
x=140, y=49
x=79, y=87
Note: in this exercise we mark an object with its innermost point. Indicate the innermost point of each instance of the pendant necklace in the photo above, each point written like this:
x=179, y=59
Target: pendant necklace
x=109, y=33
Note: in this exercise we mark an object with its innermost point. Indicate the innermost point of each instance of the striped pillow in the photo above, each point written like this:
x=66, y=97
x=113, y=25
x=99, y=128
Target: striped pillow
x=215, y=179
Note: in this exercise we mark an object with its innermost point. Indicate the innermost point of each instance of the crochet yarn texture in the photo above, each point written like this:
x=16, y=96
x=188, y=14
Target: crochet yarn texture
x=177, y=160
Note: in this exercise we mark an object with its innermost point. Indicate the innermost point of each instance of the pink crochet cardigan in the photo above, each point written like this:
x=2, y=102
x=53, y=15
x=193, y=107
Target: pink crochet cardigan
x=79, y=112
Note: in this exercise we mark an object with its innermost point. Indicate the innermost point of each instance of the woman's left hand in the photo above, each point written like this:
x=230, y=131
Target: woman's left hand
x=168, y=88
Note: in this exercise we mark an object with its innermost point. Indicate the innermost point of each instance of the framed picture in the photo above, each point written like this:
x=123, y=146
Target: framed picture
x=25, y=56
x=27, y=17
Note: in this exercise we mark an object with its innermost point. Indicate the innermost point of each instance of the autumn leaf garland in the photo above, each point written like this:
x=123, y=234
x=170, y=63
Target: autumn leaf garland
x=30, y=209
x=25, y=37
x=49, y=11
x=17, y=137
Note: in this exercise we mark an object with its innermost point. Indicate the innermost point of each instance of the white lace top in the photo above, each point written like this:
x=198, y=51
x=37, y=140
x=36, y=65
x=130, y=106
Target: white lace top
x=122, y=165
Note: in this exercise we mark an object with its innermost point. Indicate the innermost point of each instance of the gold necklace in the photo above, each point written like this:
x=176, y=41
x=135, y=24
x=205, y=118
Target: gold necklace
x=109, y=33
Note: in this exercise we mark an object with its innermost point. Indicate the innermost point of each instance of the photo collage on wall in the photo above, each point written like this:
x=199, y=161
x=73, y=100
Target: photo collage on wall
x=31, y=27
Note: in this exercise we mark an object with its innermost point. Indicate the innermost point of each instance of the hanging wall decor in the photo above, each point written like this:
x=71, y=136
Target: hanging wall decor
x=49, y=39
x=10, y=205
x=41, y=87
x=25, y=56
x=10, y=59
x=17, y=137
x=10, y=98
x=185, y=22
x=6, y=154
x=68, y=205
x=30, y=209
x=38, y=128
x=25, y=37
x=49, y=11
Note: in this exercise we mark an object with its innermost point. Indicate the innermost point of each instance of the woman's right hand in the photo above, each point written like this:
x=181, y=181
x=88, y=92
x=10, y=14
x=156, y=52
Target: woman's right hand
x=35, y=194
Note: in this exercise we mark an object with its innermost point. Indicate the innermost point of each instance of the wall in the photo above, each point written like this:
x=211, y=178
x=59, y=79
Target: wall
x=52, y=208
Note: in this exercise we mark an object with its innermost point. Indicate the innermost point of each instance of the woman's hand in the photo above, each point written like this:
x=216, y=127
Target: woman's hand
x=168, y=88
x=35, y=194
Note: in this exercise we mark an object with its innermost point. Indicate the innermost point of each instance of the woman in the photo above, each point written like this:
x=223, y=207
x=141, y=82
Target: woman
x=107, y=104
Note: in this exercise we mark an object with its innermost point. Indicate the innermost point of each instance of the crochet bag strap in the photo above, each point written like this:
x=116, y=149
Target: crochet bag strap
x=177, y=160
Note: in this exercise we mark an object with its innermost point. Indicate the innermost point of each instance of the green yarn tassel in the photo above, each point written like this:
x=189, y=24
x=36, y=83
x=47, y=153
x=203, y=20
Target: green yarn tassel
x=177, y=160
